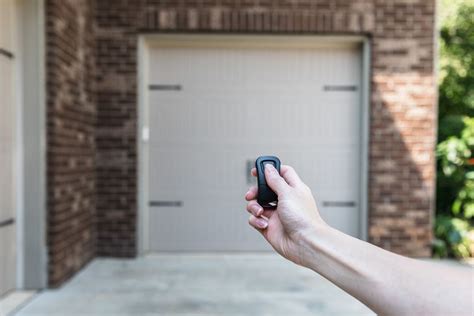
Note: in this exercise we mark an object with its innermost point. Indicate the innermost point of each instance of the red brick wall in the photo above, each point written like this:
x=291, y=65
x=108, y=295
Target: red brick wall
x=403, y=126
x=402, y=109
x=117, y=127
x=71, y=150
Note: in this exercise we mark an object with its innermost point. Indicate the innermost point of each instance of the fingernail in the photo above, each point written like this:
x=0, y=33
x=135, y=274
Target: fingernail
x=262, y=223
x=269, y=167
x=257, y=210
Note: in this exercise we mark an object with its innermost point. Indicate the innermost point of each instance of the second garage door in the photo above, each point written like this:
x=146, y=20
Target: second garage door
x=214, y=107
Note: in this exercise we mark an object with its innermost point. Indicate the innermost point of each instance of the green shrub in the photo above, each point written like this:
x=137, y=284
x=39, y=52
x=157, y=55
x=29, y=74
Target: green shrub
x=454, y=223
x=455, y=237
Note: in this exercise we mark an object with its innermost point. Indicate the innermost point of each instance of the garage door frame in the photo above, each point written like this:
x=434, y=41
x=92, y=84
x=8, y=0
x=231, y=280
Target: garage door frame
x=149, y=41
x=27, y=54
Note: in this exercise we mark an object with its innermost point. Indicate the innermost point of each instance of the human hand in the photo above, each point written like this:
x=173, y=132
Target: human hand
x=295, y=216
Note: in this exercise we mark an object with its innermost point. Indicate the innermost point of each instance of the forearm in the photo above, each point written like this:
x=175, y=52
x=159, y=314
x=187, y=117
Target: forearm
x=388, y=283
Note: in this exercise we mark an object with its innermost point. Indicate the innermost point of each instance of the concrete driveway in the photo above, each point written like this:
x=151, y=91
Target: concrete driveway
x=214, y=284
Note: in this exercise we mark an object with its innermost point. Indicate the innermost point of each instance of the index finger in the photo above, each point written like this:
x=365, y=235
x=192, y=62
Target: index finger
x=287, y=173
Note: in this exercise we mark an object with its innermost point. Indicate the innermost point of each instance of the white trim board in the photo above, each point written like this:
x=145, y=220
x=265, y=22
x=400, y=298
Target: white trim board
x=32, y=249
x=248, y=41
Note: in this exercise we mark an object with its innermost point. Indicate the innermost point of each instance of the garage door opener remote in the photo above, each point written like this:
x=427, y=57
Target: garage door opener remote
x=266, y=197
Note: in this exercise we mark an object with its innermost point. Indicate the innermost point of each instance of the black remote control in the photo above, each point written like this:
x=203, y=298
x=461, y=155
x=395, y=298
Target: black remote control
x=266, y=197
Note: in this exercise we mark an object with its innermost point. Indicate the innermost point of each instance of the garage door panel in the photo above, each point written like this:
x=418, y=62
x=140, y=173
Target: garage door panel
x=333, y=216
x=8, y=258
x=7, y=20
x=225, y=118
x=329, y=169
x=7, y=184
x=230, y=66
x=8, y=147
x=7, y=92
x=190, y=166
x=7, y=140
x=179, y=165
x=208, y=226
x=235, y=104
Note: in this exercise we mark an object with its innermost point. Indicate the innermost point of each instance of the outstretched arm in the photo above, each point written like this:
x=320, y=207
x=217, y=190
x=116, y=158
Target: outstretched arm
x=387, y=283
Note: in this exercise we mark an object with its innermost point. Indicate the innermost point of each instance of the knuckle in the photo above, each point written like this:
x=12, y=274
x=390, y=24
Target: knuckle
x=270, y=175
x=305, y=188
x=249, y=206
x=283, y=192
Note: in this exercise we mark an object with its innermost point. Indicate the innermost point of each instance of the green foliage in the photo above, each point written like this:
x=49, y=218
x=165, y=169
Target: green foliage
x=455, y=237
x=456, y=93
x=454, y=227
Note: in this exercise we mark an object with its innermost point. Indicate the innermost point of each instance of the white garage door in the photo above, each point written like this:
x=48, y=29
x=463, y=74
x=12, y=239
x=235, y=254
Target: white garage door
x=213, y=108
x=7, y=148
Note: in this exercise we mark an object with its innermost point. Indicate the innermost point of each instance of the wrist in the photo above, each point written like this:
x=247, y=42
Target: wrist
x=308, y=243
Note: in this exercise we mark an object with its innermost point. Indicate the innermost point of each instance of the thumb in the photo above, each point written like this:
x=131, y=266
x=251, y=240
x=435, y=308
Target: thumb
x=274, y=180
